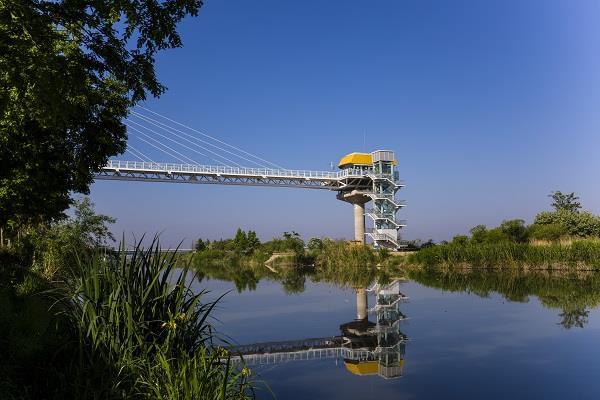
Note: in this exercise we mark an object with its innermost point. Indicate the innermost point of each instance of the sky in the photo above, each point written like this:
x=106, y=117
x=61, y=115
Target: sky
x=488, y=105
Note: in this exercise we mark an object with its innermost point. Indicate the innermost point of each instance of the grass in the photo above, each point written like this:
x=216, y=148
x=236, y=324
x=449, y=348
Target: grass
x=579, y=254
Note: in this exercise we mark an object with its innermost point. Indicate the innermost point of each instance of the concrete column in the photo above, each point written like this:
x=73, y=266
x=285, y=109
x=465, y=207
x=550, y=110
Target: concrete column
x=359, y=222
x=361, y=304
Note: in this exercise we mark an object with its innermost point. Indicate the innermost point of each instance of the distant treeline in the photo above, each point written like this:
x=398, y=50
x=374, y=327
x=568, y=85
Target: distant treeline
x=245, y=247
x=566, y=237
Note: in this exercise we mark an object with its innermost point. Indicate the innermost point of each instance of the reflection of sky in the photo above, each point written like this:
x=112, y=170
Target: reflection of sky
x=460, y=345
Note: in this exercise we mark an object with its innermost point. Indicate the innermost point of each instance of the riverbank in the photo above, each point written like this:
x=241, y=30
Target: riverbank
x=582, y=254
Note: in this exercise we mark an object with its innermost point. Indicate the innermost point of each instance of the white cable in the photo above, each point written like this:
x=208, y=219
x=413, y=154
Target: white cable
x=213, y=138
x=164, y=151
x=180, y=144
x=170, y=130
x=130, y=147
x=134, y=155
x=164, y=145
x=166, y=137
x=188, y=159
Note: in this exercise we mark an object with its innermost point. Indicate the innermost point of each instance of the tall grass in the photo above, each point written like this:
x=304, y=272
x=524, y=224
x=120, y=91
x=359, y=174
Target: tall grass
x=143, y=333
x=582, y=254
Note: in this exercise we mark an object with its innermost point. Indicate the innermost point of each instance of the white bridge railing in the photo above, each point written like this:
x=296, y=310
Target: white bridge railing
x=118, y=165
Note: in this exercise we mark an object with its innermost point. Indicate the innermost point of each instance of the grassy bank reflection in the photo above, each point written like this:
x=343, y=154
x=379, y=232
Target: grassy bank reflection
x=574, y=293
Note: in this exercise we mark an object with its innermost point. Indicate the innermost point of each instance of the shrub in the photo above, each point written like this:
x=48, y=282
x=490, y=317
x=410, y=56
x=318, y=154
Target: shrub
x=550, y=232
x=582, y=224
x=514, y=230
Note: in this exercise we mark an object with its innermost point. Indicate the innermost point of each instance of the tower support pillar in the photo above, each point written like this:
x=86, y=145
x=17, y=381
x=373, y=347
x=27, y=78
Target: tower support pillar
x=359, y=222
x=361, y=304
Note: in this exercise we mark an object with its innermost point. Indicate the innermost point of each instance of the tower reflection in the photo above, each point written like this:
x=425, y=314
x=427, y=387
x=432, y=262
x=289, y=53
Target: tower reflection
x=376, y=347
x=364, y=346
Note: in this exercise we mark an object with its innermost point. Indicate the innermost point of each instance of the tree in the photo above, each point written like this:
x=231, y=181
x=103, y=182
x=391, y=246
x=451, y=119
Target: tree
x=478, y=233
x=551, y=232
x=240, y=241
x=515, y=230
x=252, y=240
x=200, y=245
x=582, y=224
x=315, y=244
x=460, y=240
x=495, y=235
x=58, y=245
x=565, y=202
x=70, y=70
x=574, y=318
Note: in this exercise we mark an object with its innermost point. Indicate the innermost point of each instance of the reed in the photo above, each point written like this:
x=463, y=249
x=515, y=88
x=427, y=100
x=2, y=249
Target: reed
x=579, y=254
x=143, y=333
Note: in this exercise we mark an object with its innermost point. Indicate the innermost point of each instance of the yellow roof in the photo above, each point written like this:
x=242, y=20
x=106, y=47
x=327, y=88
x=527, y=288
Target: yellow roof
x=362, y=368
x=356, y=159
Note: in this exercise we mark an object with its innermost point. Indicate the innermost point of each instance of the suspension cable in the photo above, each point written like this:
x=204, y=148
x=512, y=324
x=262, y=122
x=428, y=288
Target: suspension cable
x=164, y=145
x=187, y=140
x=213, y=138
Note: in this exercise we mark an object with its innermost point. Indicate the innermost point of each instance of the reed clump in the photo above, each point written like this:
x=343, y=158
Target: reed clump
x=579, y=254
x=125, y=326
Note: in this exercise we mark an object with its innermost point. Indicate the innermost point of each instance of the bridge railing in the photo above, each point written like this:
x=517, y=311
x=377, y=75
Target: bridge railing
x=213, y=169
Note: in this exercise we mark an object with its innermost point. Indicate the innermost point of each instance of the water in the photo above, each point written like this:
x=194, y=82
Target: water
x=541, y=344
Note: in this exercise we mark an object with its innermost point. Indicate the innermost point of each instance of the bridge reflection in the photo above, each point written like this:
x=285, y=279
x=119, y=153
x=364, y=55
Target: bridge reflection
x=365, y=347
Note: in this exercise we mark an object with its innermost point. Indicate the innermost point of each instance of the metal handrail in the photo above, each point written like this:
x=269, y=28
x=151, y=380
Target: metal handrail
x=149, y=166
x=212, y=169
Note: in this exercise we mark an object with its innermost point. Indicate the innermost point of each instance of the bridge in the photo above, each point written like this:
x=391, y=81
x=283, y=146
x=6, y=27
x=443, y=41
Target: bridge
x=361, y=178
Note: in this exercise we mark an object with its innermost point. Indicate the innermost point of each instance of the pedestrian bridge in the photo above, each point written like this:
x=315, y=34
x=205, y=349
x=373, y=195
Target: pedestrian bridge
x=361, y=177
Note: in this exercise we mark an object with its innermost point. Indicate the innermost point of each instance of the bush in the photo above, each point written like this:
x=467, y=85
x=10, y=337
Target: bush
x=550, y=232
x=514, y=230
x=582, y=224
x=460, y=240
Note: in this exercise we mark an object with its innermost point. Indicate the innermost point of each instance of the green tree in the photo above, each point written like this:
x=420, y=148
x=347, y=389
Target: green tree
x=69, y=72
x=478, y=233
x=582, y=224
x=460, y=240
x=315, y=244
x=252, y=241
x=565, y=202
x=515, y=230
x=240, y=241
x=200, y=245
x=552, y=232
x=56, y=246
x=495, y=235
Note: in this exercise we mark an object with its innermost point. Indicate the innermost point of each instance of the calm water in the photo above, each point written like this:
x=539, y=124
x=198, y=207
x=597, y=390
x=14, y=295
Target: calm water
x=542, y=344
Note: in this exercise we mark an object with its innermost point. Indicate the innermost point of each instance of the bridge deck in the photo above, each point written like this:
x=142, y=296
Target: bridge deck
x=211, y=174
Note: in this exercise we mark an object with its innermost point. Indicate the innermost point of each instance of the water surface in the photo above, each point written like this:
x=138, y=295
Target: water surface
x=465, y=338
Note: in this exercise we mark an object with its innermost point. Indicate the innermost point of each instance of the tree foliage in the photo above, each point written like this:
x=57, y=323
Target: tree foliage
x=69, y=71
x=582, y=224
x=565, y=202
x=515, y=230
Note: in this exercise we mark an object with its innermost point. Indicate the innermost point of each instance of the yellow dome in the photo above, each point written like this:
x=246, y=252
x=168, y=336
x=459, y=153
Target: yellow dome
x=356, y=159
x=362, y=368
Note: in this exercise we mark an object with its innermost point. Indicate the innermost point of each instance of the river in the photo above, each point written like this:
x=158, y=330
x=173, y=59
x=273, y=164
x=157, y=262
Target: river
x=439, y=335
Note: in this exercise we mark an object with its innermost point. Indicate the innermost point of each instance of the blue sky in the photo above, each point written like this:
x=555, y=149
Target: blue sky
x=489, y=106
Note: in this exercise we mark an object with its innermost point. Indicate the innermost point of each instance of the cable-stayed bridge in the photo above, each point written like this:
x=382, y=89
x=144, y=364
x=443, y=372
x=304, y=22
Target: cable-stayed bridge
x=361, y=178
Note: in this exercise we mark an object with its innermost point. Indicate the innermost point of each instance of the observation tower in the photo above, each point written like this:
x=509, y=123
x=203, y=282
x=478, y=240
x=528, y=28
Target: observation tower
x=372, y=177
